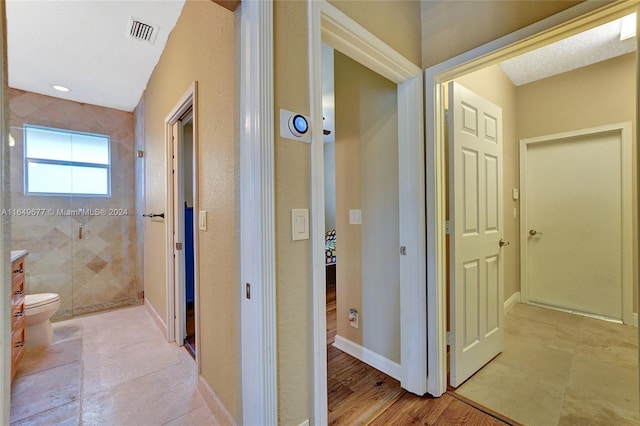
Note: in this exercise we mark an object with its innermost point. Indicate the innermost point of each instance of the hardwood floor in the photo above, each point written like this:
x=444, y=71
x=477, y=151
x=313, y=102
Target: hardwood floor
x=361, y=395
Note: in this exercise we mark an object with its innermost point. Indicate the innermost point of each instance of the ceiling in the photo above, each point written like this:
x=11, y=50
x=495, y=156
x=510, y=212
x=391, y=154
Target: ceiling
x=592, y=46
x=85, y=46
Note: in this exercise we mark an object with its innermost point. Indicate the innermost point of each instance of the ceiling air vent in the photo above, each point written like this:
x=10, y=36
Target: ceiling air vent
x=141, y=31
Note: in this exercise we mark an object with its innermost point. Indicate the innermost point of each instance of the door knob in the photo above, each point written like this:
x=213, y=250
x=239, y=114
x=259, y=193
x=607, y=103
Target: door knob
x=533, y=232
x=503, y=243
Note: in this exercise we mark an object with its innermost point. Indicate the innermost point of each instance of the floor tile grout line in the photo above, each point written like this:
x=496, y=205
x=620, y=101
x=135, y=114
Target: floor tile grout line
x=131, y=379
x=78, y=399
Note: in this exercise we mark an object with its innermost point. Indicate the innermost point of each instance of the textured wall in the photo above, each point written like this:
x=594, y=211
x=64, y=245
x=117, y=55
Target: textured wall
x=293, y=184
x=450, y=28
x=201, y=48
x=98, y=271
x=603, y=93
x=397, y=22
x=368, y=267
x=294, y=293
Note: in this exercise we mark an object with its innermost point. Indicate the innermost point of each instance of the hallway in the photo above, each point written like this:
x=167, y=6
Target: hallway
x=107, y=369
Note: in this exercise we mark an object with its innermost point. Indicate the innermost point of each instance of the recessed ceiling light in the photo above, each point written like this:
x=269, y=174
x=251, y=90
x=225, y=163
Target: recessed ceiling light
x=60, y=88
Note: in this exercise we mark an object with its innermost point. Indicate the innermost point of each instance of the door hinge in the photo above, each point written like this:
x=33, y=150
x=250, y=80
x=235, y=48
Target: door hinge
x=178, y=246
x=446, y=116
x=449, y=338
x=447, y=227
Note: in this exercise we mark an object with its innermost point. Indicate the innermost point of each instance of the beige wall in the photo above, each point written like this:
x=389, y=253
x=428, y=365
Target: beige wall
x=599, y=94
x=603, y=93
x=368, y=269
x=201, y=48
x=397, y=22
x=450, y=28
x=293, y=183
x=492, y=84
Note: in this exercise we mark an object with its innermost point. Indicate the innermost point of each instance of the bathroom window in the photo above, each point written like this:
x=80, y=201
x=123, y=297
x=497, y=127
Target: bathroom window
x=63, y=162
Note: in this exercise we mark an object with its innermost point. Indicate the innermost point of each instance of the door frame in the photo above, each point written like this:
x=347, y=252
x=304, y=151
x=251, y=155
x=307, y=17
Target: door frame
x=329, y=24
x=257, y=289
x=624, y=130
x=564, y=24
x=176, y=292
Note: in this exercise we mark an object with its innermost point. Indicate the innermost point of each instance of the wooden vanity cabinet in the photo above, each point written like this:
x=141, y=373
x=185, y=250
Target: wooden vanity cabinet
x=18, y=318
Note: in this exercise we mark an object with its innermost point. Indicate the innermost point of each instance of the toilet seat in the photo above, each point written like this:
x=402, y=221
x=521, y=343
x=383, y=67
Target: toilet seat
x=42, y=299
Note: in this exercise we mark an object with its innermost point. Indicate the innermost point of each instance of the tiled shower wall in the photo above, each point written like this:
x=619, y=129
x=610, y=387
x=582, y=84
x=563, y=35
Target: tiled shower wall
x=97, y=271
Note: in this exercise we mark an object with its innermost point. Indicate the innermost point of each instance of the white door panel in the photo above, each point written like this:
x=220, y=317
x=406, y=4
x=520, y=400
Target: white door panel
x=476, y=307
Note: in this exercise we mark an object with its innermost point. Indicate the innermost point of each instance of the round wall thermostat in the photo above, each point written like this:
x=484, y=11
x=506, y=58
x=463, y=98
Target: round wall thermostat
x=298, y=125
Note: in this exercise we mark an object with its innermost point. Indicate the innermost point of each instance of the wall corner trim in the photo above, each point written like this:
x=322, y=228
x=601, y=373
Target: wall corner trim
x=257, y=217
x=377, y=361
x=511, y=302
x=219, y=411
x=157, y=319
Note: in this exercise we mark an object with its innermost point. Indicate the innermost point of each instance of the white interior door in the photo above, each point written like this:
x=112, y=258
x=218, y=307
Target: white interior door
x=476, y=306
x=574, y=221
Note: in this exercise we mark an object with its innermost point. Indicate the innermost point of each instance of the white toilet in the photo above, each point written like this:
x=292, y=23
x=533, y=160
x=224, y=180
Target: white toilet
x=39, y=308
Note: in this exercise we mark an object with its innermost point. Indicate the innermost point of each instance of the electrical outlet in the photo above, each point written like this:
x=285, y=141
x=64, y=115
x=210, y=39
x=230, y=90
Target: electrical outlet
x=354, y=318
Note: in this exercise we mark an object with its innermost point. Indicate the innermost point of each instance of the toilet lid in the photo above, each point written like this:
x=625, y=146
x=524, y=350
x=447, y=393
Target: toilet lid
x=40, y=299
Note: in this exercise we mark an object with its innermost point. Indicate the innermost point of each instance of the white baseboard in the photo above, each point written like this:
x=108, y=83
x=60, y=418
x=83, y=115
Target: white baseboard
x=156, y=318
x=388, y=367
x=213, y=401
x=511, y=302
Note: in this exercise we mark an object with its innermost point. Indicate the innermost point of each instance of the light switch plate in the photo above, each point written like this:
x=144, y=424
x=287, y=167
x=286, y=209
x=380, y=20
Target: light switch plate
x=355, y=217
x=202, y=220
x=299, y=224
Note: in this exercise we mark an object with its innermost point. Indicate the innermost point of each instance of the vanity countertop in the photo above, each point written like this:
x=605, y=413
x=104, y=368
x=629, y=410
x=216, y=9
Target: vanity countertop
x=17, y=254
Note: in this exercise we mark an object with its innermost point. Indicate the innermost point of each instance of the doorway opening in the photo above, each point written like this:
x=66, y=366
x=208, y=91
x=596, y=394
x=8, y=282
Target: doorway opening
x=361, y=238
x=525, y=341
x=186, y=122
x=183, y=223
x=359, y=45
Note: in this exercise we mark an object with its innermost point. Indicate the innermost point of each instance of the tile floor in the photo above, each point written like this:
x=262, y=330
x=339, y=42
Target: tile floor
x=561, y=369
x=113, y=368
